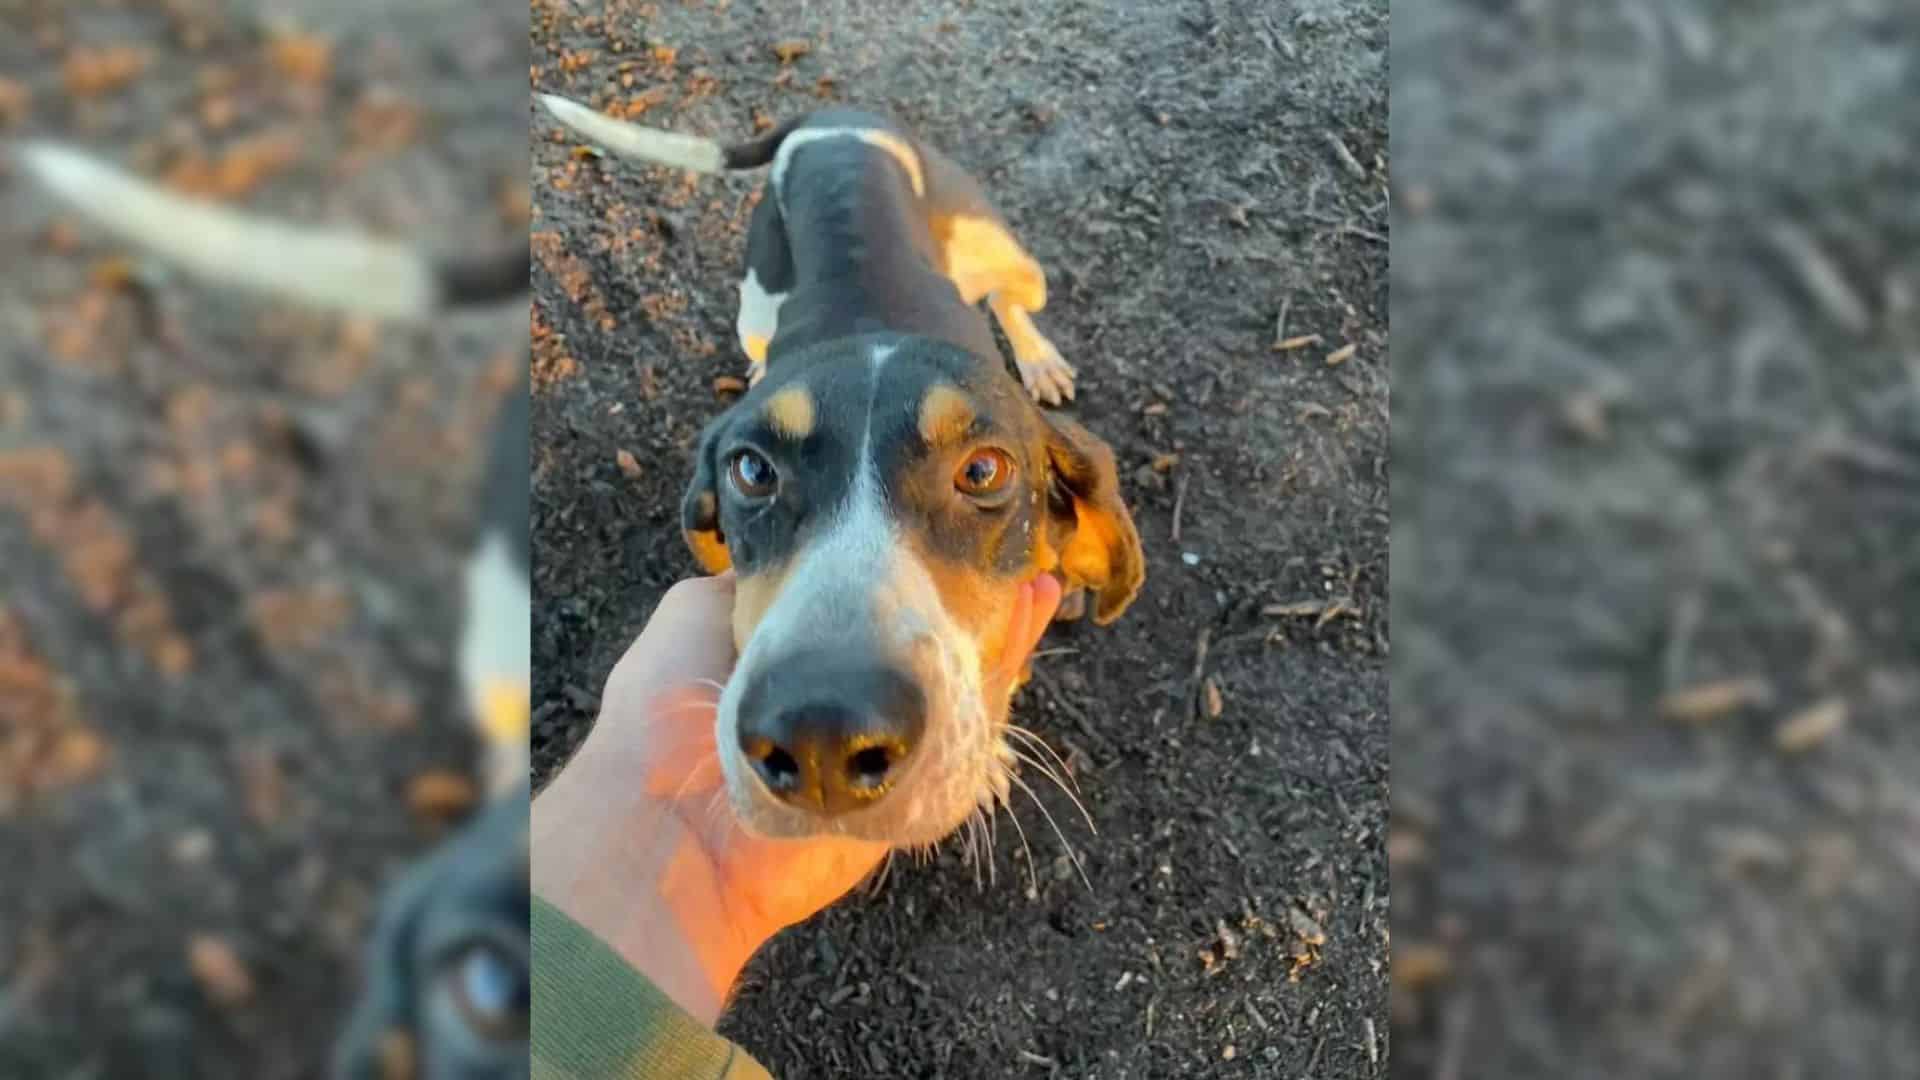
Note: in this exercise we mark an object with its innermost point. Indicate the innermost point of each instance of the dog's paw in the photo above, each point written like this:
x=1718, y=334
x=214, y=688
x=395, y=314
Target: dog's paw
x=1048, y=377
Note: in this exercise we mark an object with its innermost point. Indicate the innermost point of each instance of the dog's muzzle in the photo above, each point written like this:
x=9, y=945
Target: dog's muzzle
x=829, y=736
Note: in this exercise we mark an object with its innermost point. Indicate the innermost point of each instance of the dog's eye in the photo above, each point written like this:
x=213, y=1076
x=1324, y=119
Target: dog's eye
x=752, y=474
x=491, y=990
x=985, y=472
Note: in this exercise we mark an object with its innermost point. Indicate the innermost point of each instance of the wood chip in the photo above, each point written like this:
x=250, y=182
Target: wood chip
x=1345, y=157
x=1811, y=726
x=629, y=465
x=1298, y=341
x=1215, y=703
x=792, y=49
x=729, y=386
x=218, y=970
x=1306, y=927
x=439, y=796
x=1711, y=701
x=1342, y=354
x=1294, y=609
x=1165, y=462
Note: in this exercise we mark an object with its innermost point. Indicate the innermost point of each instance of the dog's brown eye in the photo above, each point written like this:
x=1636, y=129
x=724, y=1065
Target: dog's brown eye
x=753, y=475
x=985, y=472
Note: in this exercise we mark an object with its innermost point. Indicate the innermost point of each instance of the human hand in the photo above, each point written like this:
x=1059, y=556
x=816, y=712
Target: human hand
x=635, y=839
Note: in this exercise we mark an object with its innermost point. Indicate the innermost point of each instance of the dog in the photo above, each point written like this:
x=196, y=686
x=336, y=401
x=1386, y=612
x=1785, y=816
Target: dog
x=885, y=488
x=942, y=218
x=446, y=991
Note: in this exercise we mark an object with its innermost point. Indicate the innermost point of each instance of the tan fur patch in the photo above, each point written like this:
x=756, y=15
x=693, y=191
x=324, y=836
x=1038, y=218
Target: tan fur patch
x=752, y=597
x=712, y=555
x=791, y=412
x=980, y=256
x=981, y=603
x=1086, y=559
x=945, y=415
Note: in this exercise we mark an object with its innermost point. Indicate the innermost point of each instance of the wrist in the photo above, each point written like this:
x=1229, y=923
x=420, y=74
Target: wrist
x=626, y=866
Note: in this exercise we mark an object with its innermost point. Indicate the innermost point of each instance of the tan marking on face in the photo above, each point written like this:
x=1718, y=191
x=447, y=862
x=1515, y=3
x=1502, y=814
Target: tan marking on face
x=790, y=413
x=398, y=1060
x=752, y=597
x=945, y=415
x=756, y=346
x=980, y=604
x=705, y=543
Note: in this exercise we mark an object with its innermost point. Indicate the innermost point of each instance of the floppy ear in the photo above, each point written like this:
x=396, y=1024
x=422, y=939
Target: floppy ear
x=1087, y=523
x=700, y=509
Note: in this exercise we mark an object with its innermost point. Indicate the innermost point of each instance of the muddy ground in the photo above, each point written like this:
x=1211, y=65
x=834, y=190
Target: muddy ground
x=230, y=531
x=1657, y=575
x=1174, y=167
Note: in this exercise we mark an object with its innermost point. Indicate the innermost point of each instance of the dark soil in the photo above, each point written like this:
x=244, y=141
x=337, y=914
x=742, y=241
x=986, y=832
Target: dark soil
x=1658, y=428
x=229, y=531
x=1173, y=166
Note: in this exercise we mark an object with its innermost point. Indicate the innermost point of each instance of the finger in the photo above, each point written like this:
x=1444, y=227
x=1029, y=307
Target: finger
x=688, y=641
x=683, y=759
x=1033, y=612
x=786, y=881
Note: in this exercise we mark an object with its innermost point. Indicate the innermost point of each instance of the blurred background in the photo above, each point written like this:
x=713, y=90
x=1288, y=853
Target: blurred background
x=231, y=529
x=1656, y=504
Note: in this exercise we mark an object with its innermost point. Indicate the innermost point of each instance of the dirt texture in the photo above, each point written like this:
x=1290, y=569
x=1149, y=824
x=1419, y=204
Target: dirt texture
x=1175, y=168
x=230, y=532
x=1656, y=509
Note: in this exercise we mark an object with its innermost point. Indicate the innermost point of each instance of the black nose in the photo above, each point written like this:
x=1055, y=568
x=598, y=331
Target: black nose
x=827, y=736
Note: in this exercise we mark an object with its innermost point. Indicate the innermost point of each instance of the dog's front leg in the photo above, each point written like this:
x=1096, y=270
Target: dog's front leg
x=1047, y=375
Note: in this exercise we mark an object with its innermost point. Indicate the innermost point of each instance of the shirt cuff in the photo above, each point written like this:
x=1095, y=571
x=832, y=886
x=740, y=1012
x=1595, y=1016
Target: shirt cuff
x=596, y=1017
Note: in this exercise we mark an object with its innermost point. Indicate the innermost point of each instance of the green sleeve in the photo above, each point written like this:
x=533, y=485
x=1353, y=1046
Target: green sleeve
x=596, y=1017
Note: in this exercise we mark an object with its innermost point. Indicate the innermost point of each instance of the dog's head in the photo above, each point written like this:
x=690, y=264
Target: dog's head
x=448, y=986
x=882, y=500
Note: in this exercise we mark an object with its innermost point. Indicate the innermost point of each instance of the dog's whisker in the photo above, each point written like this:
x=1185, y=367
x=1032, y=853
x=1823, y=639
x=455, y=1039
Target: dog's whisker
x=1030, y=736
x=1072, y=855
x=1033, y=875
x=1071, y=795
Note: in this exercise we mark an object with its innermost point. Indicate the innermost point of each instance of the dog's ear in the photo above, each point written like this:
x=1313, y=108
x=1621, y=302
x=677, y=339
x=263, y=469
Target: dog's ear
x=1088, y=525
x=700, y=509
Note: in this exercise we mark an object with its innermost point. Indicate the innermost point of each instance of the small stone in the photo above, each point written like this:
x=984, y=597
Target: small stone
x=629, y=465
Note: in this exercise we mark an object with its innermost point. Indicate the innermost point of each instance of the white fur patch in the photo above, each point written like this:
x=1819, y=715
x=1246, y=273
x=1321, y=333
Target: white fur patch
x=647, y=144
x=329, y=267
x=894, y=145
x=759, y=310
x=496, y=645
